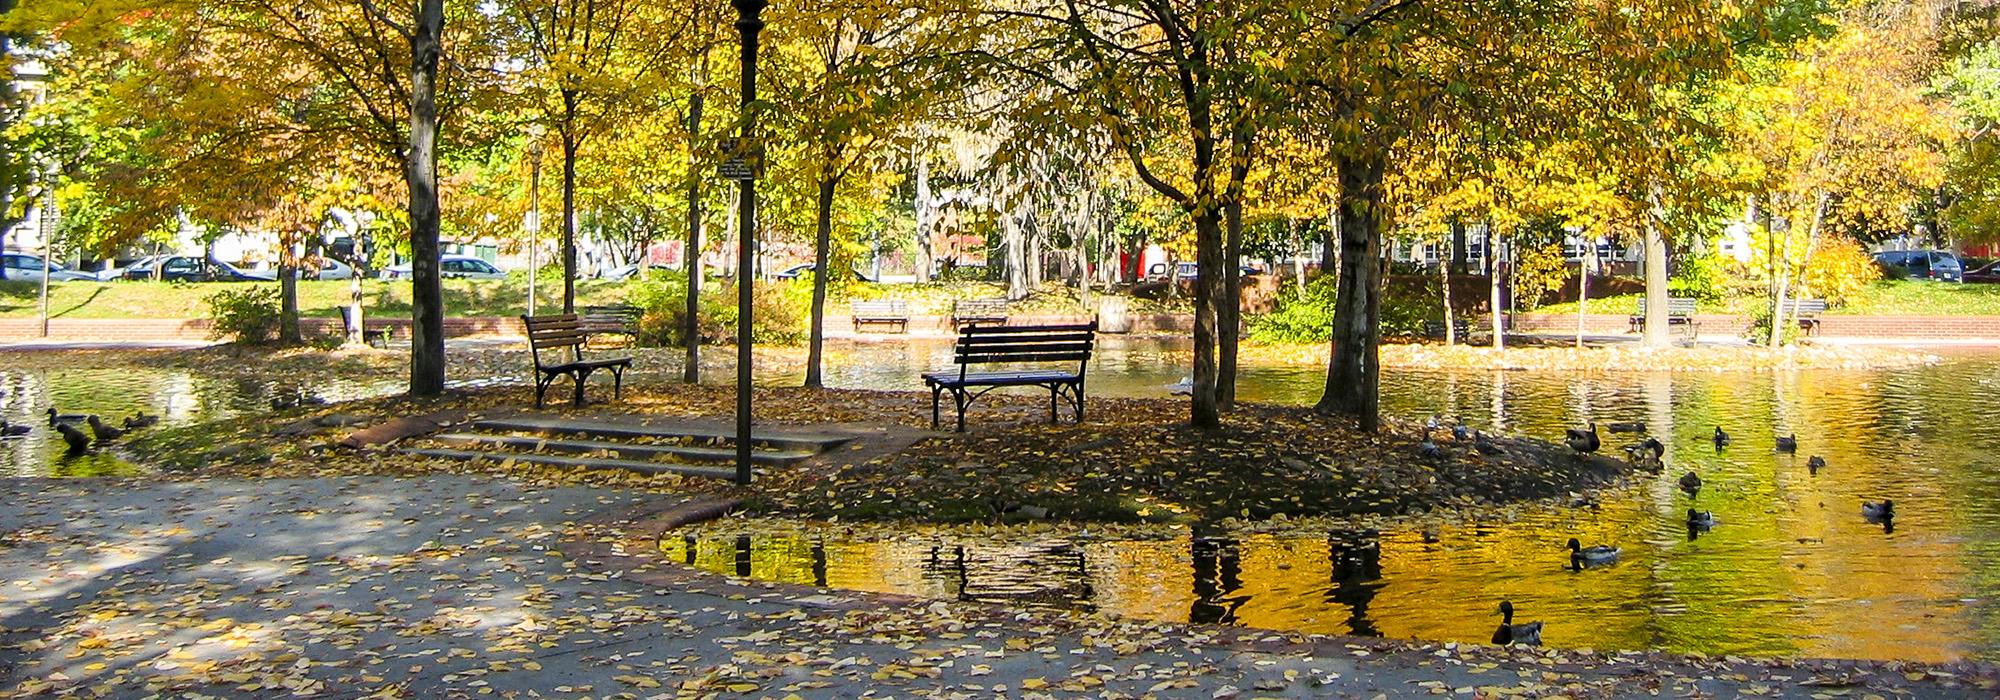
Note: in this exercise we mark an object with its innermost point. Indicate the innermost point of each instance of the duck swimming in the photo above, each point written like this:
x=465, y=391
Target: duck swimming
x=1581, y=556
x=103, y=431
x=1878, y=511
x=1701, y=519
x=8, y=430
x=1627, y=427
x=1815, y=463
x=141, y=420
x=1721, y=438
x=1788, y=443
x=1690, y=482
x=55, y=417
x=78, y=442
x=1529, y=634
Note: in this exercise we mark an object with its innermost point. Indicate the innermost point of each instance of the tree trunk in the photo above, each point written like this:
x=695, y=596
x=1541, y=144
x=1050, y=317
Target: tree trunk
x=1457, y=247
x=569, y=215
x=1656, y=271
x=1493, y=295
x=1205, y=411
x=420, y=169
x=1229, y=312
x=1444, y=283
x=1352, y=374
x=288, y=300
x=1583, y=264
x=354, y=310
x=926, y=210
x=1786, y=272
x=691, y=324
x=1298, y=259
x=821, y=271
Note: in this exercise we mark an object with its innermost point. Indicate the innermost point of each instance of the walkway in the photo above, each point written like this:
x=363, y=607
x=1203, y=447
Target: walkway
x=458, y=587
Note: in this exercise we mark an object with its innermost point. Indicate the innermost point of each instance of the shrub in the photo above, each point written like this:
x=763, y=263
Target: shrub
x=1700, y=277
x=1840, y=268
x=246, y=314
x=1538, y=273
x=1300, y=317
x=778, y=311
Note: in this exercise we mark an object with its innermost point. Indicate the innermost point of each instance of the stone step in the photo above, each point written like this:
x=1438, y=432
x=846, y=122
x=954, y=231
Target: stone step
x=624, y=449
x=763, y=435
x=579, y=462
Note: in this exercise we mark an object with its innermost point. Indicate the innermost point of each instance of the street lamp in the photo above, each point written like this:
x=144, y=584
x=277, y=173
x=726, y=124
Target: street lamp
x=748, y=24
x=534, y=207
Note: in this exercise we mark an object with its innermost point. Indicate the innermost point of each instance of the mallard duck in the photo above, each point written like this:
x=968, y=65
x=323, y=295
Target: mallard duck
x=1485, y=445
x=78, y=442
x=141, y=420
x=103, y=431
x=1690, y=482
x=1701, y=519
x=1583, y=441
x=1462, y=433
x=1581, y=556
x=1429, y=449
x=1627, y=427
x=1815, y=463
x=1509, y=633
x=1878, y=511
x=1721, y=438
x=1788, y=443
x=55, y=417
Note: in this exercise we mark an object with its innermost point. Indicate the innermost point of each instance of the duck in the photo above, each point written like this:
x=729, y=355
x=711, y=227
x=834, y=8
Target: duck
x=1690, y=482
x=1721, y=438
x=55, y=417
x=1815, y=463
x=1652, y=450
x=1462, y=433
x=78, y=442
x=1581, y=556
x=1627, y=427
x=8, y=430
x=1485, y=445
x=1529, y=634
x=1788, y=443
x=1878, y=511
x=1583, y=441
x=1701, y=519
x=141, y=420
x=1428, y=448
x=103, y=431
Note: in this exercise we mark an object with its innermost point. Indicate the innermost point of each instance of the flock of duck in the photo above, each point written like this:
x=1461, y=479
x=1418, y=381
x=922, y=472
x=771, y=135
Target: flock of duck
x=1645, y=453
x=77, y=440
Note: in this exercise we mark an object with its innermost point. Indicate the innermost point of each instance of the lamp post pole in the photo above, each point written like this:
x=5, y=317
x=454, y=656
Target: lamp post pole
x=534, y=210
x=748, y=24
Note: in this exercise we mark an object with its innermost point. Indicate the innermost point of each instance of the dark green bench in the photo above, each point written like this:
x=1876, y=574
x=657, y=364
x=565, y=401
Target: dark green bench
x=566, y=331
x=1680, y=312
x=1807, y=311
x=972, y=312
x=1014, y=346
x=885, y=312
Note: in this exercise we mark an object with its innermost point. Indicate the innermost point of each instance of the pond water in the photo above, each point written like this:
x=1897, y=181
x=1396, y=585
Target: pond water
x=1792, y=570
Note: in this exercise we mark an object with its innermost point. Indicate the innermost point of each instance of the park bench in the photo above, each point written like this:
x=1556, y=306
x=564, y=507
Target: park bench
x=887, y=312
x=1807, y=311
x=378, y=336
x=616, y=319
x=553, y=333
x=1015, y=345
x=1459, y=326
x=968, y=312
x=1680, y=312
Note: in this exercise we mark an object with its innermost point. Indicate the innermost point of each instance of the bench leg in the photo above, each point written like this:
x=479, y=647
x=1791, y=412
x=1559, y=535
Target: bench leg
x=936, y=392
x=618, y=383
x=1079, y=403
x=1052, y=403
x=580, y=375
x=542, y=382
x=959, y=397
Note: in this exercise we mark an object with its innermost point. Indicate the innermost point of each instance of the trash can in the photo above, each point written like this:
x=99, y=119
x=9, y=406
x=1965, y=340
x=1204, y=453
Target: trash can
x=1114, y=314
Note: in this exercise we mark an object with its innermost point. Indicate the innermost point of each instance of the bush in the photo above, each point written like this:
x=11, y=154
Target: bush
x=1300, y=317
x=1539, y=272
x=1699, y=277
x=246, y=314
x=1840, y=269
x=779, y=310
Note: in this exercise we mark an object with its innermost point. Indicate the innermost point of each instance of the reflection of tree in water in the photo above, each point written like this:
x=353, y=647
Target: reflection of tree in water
x=1218, y=572
x=1051, y=572
x=1356, y=576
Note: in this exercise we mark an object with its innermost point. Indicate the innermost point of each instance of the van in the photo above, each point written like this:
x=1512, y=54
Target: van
x=1922, y=264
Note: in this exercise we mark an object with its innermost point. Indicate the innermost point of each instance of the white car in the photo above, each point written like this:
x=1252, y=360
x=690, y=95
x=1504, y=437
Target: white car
x=452, y=267
x=331, y=269
x=28, y=268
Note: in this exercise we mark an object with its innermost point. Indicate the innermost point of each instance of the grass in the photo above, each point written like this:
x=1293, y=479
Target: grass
x=508, y=297
x=1888, y=297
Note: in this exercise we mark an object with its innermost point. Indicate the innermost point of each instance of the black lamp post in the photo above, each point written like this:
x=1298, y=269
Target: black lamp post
x=748, y=24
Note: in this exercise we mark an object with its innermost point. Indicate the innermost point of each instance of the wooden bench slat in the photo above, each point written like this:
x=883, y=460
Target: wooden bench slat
x=573, y=332
x=1023, y=357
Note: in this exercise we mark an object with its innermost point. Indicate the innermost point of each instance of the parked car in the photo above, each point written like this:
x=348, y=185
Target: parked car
x=452, y=267
x=331, y=269
x=191, y=268
x=794, y=271
x=1923, y=264
x=627, y=271
x=28, y=268
x=1186, y=271
x=1988, y=273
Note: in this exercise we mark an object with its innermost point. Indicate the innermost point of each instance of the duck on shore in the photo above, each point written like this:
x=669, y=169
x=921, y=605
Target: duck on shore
x=1583, y=441
x=1529, y=634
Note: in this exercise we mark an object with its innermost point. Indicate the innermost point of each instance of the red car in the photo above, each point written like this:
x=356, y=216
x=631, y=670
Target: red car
x=1988, y=273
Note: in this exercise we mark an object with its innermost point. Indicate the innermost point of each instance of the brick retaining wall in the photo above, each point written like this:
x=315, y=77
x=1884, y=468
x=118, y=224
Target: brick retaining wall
x=1901, y=327
x=139, y=330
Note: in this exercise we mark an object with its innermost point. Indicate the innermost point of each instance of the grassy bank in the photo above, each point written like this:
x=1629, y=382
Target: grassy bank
x=508, y=297
x=1885, y=298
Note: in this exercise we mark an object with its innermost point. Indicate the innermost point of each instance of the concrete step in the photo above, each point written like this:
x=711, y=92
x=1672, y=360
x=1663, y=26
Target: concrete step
x=780, y=438
x=623, y=449
x=579, y=462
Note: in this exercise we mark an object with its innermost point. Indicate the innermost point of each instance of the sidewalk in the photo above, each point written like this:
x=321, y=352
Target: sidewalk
x=460, y=587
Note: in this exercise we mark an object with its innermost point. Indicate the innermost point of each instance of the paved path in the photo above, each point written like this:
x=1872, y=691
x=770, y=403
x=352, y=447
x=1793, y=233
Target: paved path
x=459, y=587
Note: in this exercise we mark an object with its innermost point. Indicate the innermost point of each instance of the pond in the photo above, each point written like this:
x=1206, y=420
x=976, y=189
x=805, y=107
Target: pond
x=1792, y=570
